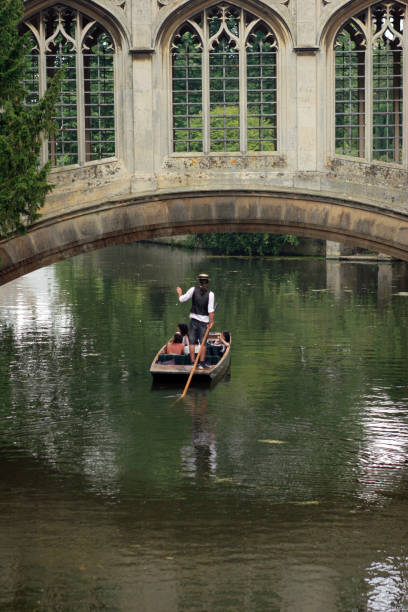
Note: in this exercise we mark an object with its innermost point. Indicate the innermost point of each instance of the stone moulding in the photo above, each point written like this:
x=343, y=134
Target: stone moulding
x=167, y=2
x=141, y=51
x=369, y=174
x=224, y=162
x=92, y=174
x=120, y=3
x=310, y=50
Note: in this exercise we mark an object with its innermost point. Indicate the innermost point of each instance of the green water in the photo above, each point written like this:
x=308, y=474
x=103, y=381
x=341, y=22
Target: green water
x=284, y=487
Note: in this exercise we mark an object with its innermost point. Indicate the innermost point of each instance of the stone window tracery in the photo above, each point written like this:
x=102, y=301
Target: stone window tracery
x=369, y=84
x=224, y=83
x=85, y=113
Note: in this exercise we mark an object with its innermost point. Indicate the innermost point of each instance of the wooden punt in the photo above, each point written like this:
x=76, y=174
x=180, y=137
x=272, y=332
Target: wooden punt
x=180, y=371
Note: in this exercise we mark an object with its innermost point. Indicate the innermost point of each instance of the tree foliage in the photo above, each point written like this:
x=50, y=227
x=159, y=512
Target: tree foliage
x=243, y=244
x=23, y=183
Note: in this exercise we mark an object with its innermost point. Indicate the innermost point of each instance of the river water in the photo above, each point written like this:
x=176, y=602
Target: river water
x=282, y=488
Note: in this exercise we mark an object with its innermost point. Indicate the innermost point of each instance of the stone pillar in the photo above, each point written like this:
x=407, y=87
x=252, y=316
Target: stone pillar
x=306, y=51
x=142, y=57
x=333, y=250
x=143, y=127
x=337, y=250
x=141, y=23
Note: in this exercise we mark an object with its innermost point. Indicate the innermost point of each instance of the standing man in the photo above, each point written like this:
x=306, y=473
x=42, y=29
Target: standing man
x=201, y=314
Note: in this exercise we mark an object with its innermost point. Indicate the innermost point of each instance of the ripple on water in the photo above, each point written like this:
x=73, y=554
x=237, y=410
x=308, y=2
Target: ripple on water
x=282, y=488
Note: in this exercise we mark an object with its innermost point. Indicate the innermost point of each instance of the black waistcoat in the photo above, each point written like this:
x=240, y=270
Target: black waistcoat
x=200, y=302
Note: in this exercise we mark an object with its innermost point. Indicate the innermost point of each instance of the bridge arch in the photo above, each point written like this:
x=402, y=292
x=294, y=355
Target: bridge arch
x=168, y=214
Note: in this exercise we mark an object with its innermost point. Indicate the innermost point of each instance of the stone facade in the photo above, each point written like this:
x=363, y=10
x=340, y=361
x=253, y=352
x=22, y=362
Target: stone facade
x=304, y=166
x=305, y=160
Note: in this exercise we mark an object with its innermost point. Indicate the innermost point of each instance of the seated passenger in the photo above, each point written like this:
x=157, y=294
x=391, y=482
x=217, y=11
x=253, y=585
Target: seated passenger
x=183, y=329
x=175, y=346
x=223, y=341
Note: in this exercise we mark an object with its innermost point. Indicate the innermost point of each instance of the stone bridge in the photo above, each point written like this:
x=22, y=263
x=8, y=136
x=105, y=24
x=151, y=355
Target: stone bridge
x=310, y=144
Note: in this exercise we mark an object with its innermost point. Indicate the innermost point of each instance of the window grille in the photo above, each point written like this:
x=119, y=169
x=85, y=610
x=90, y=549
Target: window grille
x=99, y=95
x=187, y=91
x=30, y=80
x=224, y=79
x=369, y=84
x=350, y=91
x=224, y=83
x=261, y=85
x=387, y=82
x=84, y=112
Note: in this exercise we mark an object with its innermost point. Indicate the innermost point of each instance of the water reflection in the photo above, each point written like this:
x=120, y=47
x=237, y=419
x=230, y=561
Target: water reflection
x=285, y=488
x=384, y=288
x=346, y=276
x=199, y=459
x=382, y=458
x=33, y=304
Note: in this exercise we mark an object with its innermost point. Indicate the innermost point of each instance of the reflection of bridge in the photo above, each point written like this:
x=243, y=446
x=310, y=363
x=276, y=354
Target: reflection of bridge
x=330, y=160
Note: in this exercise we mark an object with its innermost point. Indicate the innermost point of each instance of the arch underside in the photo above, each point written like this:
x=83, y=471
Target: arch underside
x=145, y=218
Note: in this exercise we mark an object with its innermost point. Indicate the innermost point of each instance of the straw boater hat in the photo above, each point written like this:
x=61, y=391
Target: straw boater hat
x=203, y=277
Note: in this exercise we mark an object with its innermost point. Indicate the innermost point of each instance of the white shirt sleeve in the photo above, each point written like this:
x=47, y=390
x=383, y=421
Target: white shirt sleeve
x=211, y=302
x=186, y=296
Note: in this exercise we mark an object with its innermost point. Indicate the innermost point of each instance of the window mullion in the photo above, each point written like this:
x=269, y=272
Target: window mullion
x=42, y=70
x=242, y=85
x=206, y=85
x=405, y=93
x=369, y=89
x=80, y=92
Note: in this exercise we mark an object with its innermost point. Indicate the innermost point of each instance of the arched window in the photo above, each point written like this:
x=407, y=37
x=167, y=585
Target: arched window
x=369, y=84
x=224, y=77
x=65, y=37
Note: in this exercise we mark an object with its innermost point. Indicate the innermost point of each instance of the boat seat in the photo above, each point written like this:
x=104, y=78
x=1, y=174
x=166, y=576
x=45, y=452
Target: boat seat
x=214, y=350
x=182, y=360
x=163, y=357
x=175, y=359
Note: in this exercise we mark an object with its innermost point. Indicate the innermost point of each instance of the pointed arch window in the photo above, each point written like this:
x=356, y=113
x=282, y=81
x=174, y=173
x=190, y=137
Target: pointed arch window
x=85, y=110
x=224, y=83
x=369, y=88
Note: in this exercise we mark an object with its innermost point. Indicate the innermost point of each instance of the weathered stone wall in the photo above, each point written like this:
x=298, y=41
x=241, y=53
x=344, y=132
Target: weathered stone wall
x=304, y=163
x=304, y=167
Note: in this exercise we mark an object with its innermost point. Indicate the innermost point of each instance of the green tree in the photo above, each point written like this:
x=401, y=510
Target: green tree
x=243, y=244
x=23, y=183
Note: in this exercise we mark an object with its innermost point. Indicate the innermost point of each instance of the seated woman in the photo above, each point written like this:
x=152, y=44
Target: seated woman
x=183, y=329
x=175, y=346
x=223, y=341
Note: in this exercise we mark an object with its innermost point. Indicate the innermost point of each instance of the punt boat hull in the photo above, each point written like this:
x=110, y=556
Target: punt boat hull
x=180, y=372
